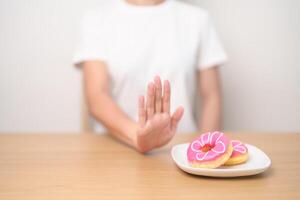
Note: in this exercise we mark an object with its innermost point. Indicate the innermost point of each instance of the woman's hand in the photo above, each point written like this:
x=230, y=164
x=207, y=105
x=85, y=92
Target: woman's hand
x=156, y=126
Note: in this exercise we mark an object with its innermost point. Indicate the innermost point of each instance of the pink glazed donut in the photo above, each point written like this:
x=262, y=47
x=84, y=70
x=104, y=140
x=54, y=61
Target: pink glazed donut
x=239, y=154
x=209, y=150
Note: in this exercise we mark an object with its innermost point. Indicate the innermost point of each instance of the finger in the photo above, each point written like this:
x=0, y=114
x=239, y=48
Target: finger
x=150, y=100
x=176, y=117
x=142, y=111
x=158, y=91
x=166, y=97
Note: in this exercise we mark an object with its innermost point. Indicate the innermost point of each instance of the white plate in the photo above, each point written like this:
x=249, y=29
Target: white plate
x=257, y=162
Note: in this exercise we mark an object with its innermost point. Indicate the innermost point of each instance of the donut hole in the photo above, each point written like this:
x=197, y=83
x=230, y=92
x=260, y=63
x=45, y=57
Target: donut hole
x=206, y=148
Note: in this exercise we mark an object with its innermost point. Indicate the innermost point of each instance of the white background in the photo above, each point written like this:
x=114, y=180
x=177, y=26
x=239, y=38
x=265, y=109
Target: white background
x=40, y=91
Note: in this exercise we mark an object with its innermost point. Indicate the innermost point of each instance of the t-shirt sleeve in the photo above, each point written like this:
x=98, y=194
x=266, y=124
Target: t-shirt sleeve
x=91, y=44
x=211, y=52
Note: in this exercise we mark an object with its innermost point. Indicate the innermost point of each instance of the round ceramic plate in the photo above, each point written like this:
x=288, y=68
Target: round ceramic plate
x=257, y=163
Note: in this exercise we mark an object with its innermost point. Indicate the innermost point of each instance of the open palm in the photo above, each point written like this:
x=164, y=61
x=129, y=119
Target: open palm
x=156, y=126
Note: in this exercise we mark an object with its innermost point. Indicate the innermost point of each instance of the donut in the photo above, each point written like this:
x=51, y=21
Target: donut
x=209, y=150
x=239, y=154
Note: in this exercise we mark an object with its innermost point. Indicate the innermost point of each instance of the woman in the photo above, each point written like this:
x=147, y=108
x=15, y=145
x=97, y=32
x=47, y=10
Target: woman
x=124, y=44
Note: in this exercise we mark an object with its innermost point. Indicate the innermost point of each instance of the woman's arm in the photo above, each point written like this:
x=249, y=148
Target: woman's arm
x=101, y=105
x=156, y=126
x=210, y=93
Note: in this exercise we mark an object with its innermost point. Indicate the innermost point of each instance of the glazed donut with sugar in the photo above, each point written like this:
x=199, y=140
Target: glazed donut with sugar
x=239, y=154
x=209, y=150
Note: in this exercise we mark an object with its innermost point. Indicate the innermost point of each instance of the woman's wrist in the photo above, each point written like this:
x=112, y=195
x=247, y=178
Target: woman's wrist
x=131, y=132
x=136, y=141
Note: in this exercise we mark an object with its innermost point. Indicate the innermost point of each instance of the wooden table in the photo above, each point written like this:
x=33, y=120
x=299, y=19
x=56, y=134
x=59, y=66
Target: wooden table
x=86, y=166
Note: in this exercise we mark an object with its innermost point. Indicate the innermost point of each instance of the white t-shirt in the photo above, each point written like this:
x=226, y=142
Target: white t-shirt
x=172, y=39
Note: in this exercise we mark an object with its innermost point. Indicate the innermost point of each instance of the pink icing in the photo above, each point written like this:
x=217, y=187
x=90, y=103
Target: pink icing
x=216, y=140
x=238, y=148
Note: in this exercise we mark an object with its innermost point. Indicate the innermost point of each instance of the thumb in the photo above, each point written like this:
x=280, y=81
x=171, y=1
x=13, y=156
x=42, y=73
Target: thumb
x=176, y=117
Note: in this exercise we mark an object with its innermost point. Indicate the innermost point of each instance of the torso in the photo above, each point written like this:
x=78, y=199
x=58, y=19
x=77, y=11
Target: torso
x=143, y=43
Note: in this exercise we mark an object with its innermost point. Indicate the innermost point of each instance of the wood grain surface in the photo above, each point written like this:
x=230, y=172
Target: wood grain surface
x=89, y=166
